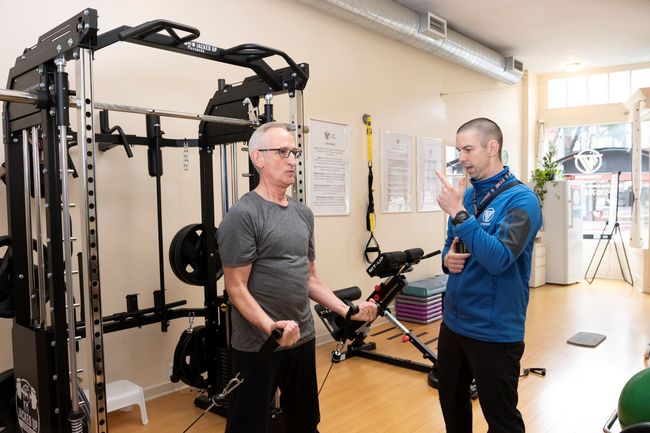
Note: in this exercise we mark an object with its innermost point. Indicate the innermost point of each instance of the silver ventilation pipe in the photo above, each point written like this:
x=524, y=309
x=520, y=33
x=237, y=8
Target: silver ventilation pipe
x=403, y=24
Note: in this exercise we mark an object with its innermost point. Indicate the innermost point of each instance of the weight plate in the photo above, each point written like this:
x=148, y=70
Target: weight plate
x=186, y=255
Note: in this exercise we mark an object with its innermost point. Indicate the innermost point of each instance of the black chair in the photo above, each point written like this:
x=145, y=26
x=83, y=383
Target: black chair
x=642, y=427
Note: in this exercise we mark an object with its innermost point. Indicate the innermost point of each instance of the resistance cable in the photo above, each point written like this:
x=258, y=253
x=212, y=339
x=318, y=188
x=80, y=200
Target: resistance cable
x=218, y=399
x=336, y=354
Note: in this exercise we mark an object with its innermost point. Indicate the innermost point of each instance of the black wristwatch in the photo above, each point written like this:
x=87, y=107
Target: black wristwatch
x=460, y=217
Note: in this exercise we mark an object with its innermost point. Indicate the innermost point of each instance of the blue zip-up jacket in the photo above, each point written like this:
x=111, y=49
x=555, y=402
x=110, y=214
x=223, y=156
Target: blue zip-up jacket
x=487, y=301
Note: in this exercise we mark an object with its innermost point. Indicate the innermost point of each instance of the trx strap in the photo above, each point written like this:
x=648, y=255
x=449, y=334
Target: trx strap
x=372, y=246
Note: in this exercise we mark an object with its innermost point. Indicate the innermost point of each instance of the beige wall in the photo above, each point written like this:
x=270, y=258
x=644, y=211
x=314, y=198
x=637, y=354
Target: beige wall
x=353, y=71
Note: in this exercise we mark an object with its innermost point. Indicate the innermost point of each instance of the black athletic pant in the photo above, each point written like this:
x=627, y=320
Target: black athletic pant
x=291, y=370
x=495, y=366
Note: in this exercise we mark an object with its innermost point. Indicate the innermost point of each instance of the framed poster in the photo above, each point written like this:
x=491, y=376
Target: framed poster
x=429, y=159
x=396, y=172
x=328, y=172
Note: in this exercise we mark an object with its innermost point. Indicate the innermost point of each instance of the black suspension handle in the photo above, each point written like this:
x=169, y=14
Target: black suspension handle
x=352, y=310
x=271, y=343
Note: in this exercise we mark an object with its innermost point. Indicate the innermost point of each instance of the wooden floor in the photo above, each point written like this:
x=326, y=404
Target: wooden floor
x=578, y=394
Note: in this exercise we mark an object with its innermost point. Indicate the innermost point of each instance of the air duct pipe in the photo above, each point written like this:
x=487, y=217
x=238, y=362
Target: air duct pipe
x=401, y=23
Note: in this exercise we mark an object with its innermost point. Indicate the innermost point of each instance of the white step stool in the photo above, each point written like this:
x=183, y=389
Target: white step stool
x=123, y=394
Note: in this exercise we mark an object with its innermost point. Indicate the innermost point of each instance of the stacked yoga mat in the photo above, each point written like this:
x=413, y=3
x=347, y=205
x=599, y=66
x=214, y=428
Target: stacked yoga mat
x=421, y=301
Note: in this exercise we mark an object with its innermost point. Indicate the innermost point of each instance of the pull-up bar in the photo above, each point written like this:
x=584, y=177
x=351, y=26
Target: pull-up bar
x=9, y=95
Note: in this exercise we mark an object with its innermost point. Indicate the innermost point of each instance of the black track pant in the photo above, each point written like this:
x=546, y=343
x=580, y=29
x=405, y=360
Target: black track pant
x=294, y=372
x=495, y=366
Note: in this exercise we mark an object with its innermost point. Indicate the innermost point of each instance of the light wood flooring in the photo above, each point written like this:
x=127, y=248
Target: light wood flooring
x=577, y=395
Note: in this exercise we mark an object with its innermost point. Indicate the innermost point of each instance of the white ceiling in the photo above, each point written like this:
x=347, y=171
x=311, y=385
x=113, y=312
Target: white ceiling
x=546, y=34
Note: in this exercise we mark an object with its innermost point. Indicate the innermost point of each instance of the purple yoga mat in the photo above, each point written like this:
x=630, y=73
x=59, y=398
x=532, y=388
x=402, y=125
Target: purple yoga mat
x=415, y=309
x=417, y=301
x=419, y=320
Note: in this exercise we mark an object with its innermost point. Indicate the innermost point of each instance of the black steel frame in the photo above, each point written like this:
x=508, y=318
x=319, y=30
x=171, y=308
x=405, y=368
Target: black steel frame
x=356, y=332
x=39, y=73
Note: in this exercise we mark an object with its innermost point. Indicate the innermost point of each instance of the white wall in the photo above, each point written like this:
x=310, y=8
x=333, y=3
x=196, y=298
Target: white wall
x=353, y=71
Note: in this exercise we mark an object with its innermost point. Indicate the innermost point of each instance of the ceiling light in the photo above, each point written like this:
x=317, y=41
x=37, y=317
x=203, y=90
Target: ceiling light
x=572, y=67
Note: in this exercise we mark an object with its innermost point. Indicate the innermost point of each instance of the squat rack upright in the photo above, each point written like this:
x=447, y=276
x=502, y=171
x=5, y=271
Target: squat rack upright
x=37, y=138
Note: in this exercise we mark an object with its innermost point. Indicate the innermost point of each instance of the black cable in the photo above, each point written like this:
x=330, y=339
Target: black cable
x=326, y=376
x=200, y=416
x=352, y=310
x=267, y=349
x=214, y=403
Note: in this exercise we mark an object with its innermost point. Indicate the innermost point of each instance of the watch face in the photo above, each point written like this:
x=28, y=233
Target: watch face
x=460, y=217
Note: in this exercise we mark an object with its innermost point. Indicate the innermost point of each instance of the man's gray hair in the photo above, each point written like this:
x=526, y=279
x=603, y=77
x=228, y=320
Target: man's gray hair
x=257, y=139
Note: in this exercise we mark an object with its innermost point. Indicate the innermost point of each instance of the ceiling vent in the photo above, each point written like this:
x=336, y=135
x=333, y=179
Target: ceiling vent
x=514, y=65
x=434, y=26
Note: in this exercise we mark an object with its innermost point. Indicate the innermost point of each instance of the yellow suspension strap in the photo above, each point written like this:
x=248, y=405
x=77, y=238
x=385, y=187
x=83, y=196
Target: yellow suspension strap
x=372, y=246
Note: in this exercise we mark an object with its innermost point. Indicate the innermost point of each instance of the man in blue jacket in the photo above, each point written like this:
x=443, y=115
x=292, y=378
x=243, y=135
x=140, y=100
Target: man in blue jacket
x=487, y=254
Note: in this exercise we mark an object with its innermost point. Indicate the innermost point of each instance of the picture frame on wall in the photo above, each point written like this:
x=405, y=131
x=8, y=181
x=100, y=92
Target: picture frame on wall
x=396, y=172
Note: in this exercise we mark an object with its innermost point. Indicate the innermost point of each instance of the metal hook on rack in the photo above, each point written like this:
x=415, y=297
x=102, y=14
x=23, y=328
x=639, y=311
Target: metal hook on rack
x=191, y=318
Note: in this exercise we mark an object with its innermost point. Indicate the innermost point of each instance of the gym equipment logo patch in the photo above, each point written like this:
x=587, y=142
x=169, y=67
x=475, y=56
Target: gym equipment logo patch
x=488, y=214
x=27, y=407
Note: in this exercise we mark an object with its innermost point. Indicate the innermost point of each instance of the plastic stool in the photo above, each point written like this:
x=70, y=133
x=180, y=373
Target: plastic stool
x=122, y=394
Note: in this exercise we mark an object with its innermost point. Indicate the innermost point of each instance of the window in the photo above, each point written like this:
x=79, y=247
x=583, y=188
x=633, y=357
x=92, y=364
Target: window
x=640, y=78
x=598, y=89
x=577, y=91
x=619, y=86
x=595, y=89
x=454, y=169
x=592, y=156
x=557, y=93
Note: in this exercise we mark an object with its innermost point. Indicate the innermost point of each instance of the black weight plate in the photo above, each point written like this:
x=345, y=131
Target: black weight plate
x=174, y=261
x=189, y=255
x=186, y=255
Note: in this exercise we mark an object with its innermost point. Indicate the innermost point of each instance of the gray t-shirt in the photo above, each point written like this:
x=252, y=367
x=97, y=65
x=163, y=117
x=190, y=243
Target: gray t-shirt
x=279, y=243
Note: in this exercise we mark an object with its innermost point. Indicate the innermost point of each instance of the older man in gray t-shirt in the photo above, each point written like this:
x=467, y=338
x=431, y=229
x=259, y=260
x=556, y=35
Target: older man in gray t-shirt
x=266, y=244
x=279, y=241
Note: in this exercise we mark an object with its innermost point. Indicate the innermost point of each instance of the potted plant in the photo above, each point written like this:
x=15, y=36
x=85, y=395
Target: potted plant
x=548, y=172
